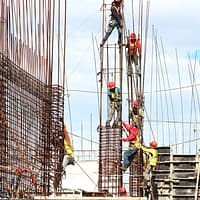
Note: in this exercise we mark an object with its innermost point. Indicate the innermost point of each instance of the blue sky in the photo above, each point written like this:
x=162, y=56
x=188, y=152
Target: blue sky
x=176, y=23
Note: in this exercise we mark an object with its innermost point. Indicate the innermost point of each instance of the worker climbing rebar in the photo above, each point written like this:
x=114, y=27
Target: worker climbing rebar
x=136, y=114
x=115, y=21
x=133, y=54
x=133, y=139
x=152, y=155
x=114, y=94
x=150, y=163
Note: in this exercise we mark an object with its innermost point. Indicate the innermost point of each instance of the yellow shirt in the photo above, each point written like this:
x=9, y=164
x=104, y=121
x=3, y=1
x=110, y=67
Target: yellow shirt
x=152, y=155
x=67, y=143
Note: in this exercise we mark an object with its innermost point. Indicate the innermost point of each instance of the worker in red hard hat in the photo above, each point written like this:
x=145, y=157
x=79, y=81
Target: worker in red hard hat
x=114, y=94
x=136, y=114
x=132, y=138
x=133, y=54
x=151, y=155
x=122, y=192
x=150, y=159
x=115, y=21
x=153, y=144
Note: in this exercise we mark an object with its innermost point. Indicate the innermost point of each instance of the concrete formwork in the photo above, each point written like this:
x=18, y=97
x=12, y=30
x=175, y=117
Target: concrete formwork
x=176, y=176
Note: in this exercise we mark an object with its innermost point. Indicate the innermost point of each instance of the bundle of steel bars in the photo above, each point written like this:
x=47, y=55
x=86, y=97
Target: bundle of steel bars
x=31, y=96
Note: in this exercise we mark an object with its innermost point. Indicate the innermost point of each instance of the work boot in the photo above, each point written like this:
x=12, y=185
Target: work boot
x=123, y=168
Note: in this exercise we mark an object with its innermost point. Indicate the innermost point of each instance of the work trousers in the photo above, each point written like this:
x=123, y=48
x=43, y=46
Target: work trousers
x=114, y=106
x=67, y=160
x=129, y=155
x=133, y=59
x=112, y=24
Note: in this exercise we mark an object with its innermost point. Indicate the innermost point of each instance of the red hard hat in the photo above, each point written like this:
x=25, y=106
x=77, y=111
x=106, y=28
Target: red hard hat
x=132, y=36
x=153, y=144
x=135, y=104
x=111, y=85
x=122, y=189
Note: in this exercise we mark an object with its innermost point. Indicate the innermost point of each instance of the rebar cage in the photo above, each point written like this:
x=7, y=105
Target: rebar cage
x=31, y=132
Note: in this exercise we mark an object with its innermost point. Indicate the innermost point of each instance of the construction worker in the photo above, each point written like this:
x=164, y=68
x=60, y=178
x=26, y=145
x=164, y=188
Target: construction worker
x=150, y=162
x=152, y=155
x=69, y=152
x=134, y=54
x=133, y=139
x=136, y=114
x=115, y=21
x=114, y=94
x=122, y=192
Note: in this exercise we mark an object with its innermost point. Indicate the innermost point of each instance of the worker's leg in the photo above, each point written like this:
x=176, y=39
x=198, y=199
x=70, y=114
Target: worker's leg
x=119, y=33
x=111, y=26
x=130, y=69
x=111, y=113
x=118, y=108
x=137, y=66
x=67, y=160
x=129, y=155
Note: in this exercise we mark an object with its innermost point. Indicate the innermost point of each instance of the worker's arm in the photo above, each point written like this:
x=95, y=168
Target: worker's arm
x=131, y=137
x=152, y=154
x=138, y=46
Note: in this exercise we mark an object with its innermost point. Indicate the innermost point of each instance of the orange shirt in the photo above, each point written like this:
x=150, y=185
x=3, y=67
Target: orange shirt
x=135, y=47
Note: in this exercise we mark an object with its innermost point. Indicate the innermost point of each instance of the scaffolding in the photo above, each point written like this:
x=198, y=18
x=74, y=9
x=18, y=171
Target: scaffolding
x=112, y=64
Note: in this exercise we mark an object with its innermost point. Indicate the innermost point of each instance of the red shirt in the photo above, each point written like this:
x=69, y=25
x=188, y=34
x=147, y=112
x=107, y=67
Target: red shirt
x=133, y=132
x=135, y=47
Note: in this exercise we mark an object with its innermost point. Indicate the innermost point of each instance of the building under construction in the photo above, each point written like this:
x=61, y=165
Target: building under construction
x=31, y=106
x=32, y=94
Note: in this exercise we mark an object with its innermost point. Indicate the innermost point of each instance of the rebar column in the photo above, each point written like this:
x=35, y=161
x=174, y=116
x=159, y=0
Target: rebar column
x=30, y=113
x=110, y=175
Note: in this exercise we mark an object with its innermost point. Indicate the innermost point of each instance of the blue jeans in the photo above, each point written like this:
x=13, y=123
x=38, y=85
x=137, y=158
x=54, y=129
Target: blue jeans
x=129, y=155
x=112, y=24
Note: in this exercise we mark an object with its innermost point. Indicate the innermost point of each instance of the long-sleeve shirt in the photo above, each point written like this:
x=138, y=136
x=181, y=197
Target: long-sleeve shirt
x=115, y=12
x=133, y=132
x=67, y=143
x=152, y=155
